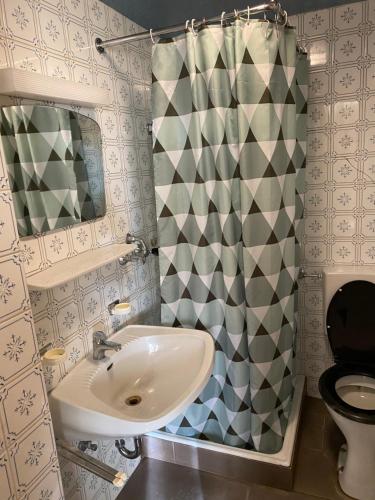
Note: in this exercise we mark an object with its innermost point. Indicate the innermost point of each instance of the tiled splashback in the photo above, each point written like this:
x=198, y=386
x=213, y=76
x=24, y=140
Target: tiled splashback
x=340, y=173
x=28, y=463
x=55, y=37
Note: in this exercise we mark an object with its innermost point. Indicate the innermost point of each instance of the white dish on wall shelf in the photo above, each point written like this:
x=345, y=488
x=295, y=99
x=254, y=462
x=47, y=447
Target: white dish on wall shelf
x=154, y=377
x=69, y=269
x=21, y=83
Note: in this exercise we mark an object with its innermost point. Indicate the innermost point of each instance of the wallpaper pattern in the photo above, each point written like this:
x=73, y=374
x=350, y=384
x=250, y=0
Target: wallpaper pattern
x=55, y=38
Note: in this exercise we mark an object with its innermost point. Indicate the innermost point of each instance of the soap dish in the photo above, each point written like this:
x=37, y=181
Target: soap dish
x=54, y=356
x=118, y=308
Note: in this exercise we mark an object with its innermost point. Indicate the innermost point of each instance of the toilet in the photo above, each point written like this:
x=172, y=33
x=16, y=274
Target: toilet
x=348, y=387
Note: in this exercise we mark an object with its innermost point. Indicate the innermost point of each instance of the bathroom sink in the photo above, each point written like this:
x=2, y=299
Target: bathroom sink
x=158, y=372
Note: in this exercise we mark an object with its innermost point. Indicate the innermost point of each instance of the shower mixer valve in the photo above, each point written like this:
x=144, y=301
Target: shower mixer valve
x=140, y=253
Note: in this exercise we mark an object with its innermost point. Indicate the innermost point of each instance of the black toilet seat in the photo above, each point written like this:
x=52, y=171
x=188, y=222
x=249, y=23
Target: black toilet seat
x=327, y=389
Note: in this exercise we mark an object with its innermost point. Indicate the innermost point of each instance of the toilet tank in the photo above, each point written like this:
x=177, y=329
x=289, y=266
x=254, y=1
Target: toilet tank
x=336, y=277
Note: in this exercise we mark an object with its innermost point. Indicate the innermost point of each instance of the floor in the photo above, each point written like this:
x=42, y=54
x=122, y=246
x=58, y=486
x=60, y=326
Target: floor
x=315, y=475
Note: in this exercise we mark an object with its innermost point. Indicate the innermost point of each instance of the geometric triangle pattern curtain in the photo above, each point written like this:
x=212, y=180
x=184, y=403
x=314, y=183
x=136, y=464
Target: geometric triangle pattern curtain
x=43, y=150
x=229, y=108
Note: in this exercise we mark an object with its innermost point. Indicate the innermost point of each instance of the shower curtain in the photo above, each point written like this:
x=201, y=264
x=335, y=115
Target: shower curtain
x=229, y=109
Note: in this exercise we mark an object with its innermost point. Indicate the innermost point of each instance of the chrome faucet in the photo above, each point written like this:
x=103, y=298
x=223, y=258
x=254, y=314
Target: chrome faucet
x=140, y=253
x=100, y=344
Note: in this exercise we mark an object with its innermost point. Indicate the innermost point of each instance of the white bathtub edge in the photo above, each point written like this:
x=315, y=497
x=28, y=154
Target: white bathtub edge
x=283, y=457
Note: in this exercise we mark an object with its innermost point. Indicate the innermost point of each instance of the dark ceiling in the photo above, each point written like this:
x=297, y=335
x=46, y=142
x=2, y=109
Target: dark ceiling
x=160, y=13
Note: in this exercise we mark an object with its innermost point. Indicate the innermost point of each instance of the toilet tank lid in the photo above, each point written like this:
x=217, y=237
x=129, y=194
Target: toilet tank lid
x=360, y=271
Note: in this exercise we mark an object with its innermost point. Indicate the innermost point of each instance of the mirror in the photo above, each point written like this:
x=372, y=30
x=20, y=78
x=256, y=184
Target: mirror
x=55, y=166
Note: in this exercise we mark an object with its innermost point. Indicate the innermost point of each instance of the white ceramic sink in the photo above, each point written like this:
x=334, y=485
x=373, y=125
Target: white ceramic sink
x=163, y=368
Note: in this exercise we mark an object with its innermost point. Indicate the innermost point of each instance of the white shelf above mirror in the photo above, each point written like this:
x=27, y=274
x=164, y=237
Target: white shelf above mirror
x=67, y=270
x=21, y=83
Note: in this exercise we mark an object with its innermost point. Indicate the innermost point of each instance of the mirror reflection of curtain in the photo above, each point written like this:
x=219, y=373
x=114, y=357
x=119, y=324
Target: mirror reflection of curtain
x=92, y=149
x=44, y=154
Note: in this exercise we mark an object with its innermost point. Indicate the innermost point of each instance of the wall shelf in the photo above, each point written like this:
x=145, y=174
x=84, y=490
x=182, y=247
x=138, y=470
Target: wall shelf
x=17, y=82
x=67, y=270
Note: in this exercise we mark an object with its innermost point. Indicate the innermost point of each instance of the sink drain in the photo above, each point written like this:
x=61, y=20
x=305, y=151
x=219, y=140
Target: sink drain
x=133, y=400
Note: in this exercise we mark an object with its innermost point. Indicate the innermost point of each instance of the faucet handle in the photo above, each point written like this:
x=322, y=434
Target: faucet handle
x=130, y=238
x=98, y=336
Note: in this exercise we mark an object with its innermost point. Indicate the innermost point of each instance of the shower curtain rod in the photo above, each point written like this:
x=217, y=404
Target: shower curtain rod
x=271, y=6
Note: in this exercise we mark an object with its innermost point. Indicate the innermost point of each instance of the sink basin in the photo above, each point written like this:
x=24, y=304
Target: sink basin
x=156, y=375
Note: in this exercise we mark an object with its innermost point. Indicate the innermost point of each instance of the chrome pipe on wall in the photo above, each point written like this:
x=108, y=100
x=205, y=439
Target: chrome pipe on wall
x=91, y=464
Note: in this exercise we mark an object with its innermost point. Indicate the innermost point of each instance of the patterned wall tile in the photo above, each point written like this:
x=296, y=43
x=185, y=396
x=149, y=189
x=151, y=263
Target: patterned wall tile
x=39, y=300
x=48, y=488
x=346, y=112
x=32, y=256
x=13, y=290
x=345, y=170
x=346, y=141
x=317, y=172
x=316, y=23
x=17, y=347
x=347, y=49
x=8, y=228
x=348, y=16
x=68, y=320
x=318, y=115
x=23, y=402
x=318, y=84
x=33, y=454
x=81, y=235
x=340, y=171
x=343, y=252
x=56, y=246
x=45, y=331
x=19, y=21
x=6, y=481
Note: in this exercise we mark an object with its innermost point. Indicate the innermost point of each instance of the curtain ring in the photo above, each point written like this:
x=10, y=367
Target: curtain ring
x=187, y=24
x=248, y=14
x=236, y=13
x=285, y=15
x=192, y=27
x=267, y=33
x=152, y=38
x=222, y=18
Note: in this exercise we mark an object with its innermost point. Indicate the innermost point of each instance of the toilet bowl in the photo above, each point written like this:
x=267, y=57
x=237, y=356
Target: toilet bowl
x=350, y=398
x=348, y=387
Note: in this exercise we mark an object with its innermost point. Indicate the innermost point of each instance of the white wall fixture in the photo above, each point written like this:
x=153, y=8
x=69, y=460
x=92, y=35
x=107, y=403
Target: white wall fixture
x=21, y=83
x=67, y=270
x=154, y=376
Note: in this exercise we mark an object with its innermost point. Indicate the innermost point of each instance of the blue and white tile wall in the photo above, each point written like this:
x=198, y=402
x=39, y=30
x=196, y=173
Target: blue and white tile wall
x=55, y=38
x=340, y=173
x=28, y=462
